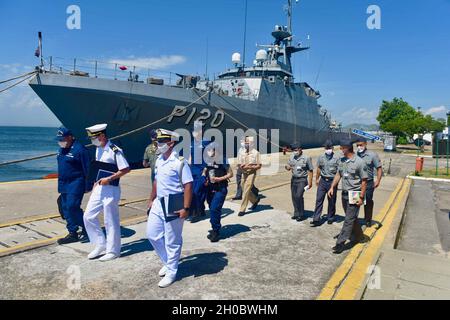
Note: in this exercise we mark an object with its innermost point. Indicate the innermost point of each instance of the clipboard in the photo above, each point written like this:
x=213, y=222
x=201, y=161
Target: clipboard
x=99, y=170
x=170, y=204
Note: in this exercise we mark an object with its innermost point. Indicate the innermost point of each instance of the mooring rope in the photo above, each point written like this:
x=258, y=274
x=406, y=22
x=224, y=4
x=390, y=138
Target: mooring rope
x=17, y=83
x=113, y=138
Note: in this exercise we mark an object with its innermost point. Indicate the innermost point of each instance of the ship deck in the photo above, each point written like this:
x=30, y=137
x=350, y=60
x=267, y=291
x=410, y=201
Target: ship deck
x=263, y=255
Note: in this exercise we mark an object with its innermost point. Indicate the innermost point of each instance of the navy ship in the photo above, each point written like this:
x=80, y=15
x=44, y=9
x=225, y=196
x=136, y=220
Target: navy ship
x=264, y=95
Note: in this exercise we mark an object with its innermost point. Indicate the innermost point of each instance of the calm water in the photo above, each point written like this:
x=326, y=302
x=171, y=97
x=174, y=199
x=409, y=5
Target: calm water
x=24, y=142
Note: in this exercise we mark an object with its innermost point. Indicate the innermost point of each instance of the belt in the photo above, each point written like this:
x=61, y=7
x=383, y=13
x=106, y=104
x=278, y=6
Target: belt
x=299, y=178
x=327, y=179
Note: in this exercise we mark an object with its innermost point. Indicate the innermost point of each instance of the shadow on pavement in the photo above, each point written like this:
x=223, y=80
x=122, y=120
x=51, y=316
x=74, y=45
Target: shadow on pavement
x=135, y=247
x=231, y=230
x=202, y=264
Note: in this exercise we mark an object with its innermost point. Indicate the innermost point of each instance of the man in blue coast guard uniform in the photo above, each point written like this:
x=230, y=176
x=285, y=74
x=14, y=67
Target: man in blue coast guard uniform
x=73, y=167
x=105, y=197
x=173, y=180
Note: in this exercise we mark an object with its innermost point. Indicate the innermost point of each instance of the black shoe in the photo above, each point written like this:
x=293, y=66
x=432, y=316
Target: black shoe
x=363, y=239
x=300, y=219
x=241, y=214
x=315, y=224
x=214, y=236
x=236, y=198
x=83, y=237
x=330, y=221
x=368, y=224
x=339, y=248
x=294, y=217
x=70, y=238
x=255, y=205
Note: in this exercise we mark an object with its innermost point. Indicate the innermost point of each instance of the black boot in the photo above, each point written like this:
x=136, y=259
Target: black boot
x=214, y=236
x=70, y=238
x=339, y=248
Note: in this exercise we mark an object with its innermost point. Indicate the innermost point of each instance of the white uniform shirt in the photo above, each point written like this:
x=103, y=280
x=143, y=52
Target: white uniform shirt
x=167, y=175
x=108, y=155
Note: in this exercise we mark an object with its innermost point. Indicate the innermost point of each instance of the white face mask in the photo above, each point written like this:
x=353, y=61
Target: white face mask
x=297, y=153
x=96, y=142
x=329, y=152
x=162, y=148
x=63, y=144
x=361, y=149
x=210, y=154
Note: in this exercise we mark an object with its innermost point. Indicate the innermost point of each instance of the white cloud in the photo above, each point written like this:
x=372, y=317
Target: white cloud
x=21, y=106
x=161, y=62
x=10, y=68
x=436, y=110
x=359, y=115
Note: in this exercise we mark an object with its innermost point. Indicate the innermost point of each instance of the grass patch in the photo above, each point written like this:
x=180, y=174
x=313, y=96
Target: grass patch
x=431, y=173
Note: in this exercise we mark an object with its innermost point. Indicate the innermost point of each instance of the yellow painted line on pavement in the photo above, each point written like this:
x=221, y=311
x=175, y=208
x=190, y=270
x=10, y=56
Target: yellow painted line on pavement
x=27, y=181
x=347, y=280
x=45, y=242
x=28, y=220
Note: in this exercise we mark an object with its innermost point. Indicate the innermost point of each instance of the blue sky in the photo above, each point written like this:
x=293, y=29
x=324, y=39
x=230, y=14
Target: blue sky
x=409, y=57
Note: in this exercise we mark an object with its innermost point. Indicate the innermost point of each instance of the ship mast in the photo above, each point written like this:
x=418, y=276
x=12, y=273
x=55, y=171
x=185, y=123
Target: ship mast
x=289, y=13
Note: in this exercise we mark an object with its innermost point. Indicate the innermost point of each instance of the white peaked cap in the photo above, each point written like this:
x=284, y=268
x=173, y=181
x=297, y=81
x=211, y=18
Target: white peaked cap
x=96, y=129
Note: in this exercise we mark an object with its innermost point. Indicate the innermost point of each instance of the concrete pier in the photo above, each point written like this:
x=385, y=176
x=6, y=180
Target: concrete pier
x=263, y=255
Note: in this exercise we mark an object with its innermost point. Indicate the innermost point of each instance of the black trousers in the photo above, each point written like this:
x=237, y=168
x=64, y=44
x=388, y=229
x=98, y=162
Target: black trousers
x=368, y=208
x=322, y=190
x=297, y=190
x=351, y=226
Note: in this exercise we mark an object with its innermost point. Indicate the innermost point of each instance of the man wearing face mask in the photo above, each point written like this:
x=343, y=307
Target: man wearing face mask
x=327, y=166
x=109, y=167
x=353, y=172
x=169, y=205
x=373, y=163
x=249, y=162
x=73, y=168
x=216, y=176
x=302, y=174
x=150, y=155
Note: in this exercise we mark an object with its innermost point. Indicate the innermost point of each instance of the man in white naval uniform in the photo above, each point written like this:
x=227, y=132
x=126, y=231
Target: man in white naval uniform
x=105, y=197
x=173, y=177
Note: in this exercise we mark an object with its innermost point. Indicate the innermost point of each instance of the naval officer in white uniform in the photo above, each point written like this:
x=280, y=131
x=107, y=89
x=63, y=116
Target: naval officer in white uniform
x=173, y=179
x=105, y=197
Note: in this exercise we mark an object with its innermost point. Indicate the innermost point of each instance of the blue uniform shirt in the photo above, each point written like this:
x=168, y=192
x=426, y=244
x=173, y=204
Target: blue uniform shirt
x=73, y=168
x=197, y=160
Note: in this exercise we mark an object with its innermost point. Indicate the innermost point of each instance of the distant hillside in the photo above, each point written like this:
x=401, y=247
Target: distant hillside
x=365, y=127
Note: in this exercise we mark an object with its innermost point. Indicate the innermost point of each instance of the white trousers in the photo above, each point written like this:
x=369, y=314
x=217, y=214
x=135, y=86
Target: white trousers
x=106, y=199
x=165, y=237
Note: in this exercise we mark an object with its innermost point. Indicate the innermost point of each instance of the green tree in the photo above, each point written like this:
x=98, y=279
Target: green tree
x=394, y=115
x=403, y=120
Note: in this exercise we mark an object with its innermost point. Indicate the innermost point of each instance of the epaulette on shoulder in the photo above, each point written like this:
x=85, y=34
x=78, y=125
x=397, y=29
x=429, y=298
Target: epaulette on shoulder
x=114, y=148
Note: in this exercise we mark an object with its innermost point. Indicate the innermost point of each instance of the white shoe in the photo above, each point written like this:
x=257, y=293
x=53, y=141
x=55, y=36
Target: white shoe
x=163, y=271
x=97, y=252
x=108, y=257
x=166, y=281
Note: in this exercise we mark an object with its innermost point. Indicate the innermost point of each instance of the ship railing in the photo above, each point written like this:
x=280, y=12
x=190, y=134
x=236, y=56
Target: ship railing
x=108, y=70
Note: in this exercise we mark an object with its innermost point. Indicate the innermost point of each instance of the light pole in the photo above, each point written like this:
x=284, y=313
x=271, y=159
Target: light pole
x=448, y=137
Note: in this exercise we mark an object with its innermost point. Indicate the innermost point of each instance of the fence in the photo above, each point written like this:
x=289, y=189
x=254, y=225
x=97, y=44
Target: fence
x=107, y=70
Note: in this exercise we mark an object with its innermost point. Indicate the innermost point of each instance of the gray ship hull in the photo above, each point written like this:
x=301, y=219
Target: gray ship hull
x=79, y=102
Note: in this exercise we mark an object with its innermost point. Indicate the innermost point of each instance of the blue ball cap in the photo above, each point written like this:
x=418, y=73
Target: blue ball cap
x=346, y=143
x=62, y=133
